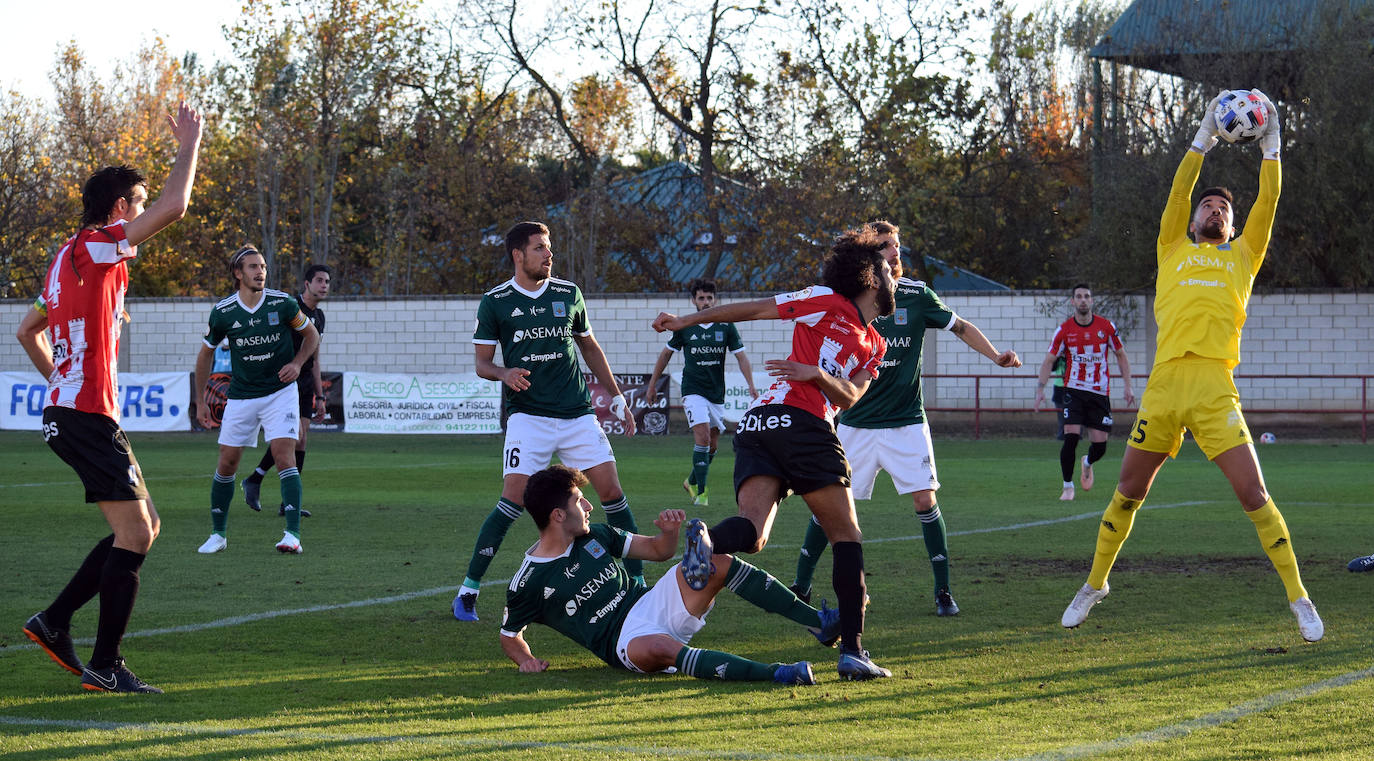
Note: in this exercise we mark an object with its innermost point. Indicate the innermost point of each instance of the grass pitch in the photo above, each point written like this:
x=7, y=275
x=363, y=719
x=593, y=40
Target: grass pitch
x=349, y=651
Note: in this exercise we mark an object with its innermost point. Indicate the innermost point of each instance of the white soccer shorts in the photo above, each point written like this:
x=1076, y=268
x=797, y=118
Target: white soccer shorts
x=277, y=414
x=700, y=410
x=905, y=453
x=662, y=611
x=532, y=441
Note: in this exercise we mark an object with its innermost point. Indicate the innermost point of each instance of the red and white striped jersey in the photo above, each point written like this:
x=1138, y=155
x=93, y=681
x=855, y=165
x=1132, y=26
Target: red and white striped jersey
x=84, y=297
x=1086, y=347
x=829, y=333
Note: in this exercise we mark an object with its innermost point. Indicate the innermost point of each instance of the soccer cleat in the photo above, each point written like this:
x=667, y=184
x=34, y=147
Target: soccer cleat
x=289, y=544
x=687, y=487
x=1359, y=565
x=794, y=673
x=1066, y=495
x=1309, y=623
x=465, y=606
x=828, y=633
x=802, y=594
x=281, y=512
x=1085, y=478
x=696, y=558
x=57, y=644
x=856, y=666
x=215, y=543
x=944, y=604
x=701, y=500
x=252, y=491
x=1087, y=597
x=117, y=678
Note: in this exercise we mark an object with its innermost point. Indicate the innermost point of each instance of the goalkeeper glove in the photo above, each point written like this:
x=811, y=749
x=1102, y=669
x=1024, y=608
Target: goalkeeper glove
x=1270, y=142
x=1206, y=136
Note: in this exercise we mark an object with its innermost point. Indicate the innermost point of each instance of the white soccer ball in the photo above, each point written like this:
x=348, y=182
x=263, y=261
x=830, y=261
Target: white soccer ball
x=1267, y=438
x=1241, y=117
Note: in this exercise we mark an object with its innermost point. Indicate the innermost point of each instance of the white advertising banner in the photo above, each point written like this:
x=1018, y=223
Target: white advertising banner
x=420, y=403
x=148, y=401
x=737, y=398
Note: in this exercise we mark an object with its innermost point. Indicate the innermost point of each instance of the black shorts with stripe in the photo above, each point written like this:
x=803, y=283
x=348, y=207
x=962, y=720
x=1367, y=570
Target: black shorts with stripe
x=789, y=444
x=1087, y=409
x=97, y=449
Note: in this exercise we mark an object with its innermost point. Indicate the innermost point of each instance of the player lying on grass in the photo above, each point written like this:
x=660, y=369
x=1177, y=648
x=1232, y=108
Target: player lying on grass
x=572, y=582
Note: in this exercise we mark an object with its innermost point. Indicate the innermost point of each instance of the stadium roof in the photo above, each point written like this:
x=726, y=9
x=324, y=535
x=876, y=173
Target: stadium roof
x=674, y=190
x=1176, y=36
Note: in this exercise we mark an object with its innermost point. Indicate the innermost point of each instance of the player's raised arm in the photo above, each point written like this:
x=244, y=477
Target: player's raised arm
x=739, y=311
x=176, y=192
x=1173, y=224
x=1259, y=224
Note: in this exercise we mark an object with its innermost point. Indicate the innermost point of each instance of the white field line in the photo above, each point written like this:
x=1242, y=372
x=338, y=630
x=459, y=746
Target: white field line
x=1170, y=732
x=270, y=614
x=466, y=742
x=1206, y=721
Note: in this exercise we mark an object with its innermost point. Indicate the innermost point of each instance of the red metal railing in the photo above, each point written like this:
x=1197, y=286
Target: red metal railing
x=978, y=408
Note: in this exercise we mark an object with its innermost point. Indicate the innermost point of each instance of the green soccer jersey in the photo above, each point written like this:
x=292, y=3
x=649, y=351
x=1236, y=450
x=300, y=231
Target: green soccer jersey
x=259, y=340
x=703, y=349
x=894, y=399
x=535, y=331
x=583, y=594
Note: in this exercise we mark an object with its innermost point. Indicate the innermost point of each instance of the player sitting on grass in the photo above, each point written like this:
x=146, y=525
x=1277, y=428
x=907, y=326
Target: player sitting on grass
x=572, y=582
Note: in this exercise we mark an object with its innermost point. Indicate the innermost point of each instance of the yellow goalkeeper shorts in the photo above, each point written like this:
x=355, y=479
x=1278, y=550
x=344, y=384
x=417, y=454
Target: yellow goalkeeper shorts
x=1193, y=393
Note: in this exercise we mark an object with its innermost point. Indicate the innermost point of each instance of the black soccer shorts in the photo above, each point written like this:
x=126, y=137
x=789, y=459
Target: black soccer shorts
x=1087, y=409
x=97, y=449
x=792, y=445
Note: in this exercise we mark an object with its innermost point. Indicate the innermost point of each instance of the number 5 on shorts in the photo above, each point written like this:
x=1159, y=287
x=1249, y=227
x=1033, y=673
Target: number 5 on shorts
x=1139, y=436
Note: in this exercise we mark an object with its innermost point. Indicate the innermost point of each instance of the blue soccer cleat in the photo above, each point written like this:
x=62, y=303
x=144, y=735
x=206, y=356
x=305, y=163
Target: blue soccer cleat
x=465, y=605
x=1359, y=565
x=794, y=673
x=829, y=631
x=855, y=666
x=696, y=559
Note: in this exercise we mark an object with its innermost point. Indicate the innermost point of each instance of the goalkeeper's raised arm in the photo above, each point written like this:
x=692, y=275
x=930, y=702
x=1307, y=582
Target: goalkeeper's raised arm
x=1259, y=223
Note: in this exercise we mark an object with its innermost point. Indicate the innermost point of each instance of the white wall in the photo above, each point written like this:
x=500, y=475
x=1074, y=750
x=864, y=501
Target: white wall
x=1316, y=334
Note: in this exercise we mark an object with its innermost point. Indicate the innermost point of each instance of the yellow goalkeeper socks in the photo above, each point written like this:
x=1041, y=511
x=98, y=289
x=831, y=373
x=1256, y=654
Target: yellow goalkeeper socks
x=1115, y=527
x=1273, y=536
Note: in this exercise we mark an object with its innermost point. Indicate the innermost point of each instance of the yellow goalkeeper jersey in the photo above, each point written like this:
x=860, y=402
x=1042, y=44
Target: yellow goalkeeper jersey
x=1202, y=290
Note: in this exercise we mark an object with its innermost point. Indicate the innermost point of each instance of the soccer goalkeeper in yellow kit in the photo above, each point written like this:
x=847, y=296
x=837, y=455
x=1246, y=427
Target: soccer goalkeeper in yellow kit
x=1201, y=292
